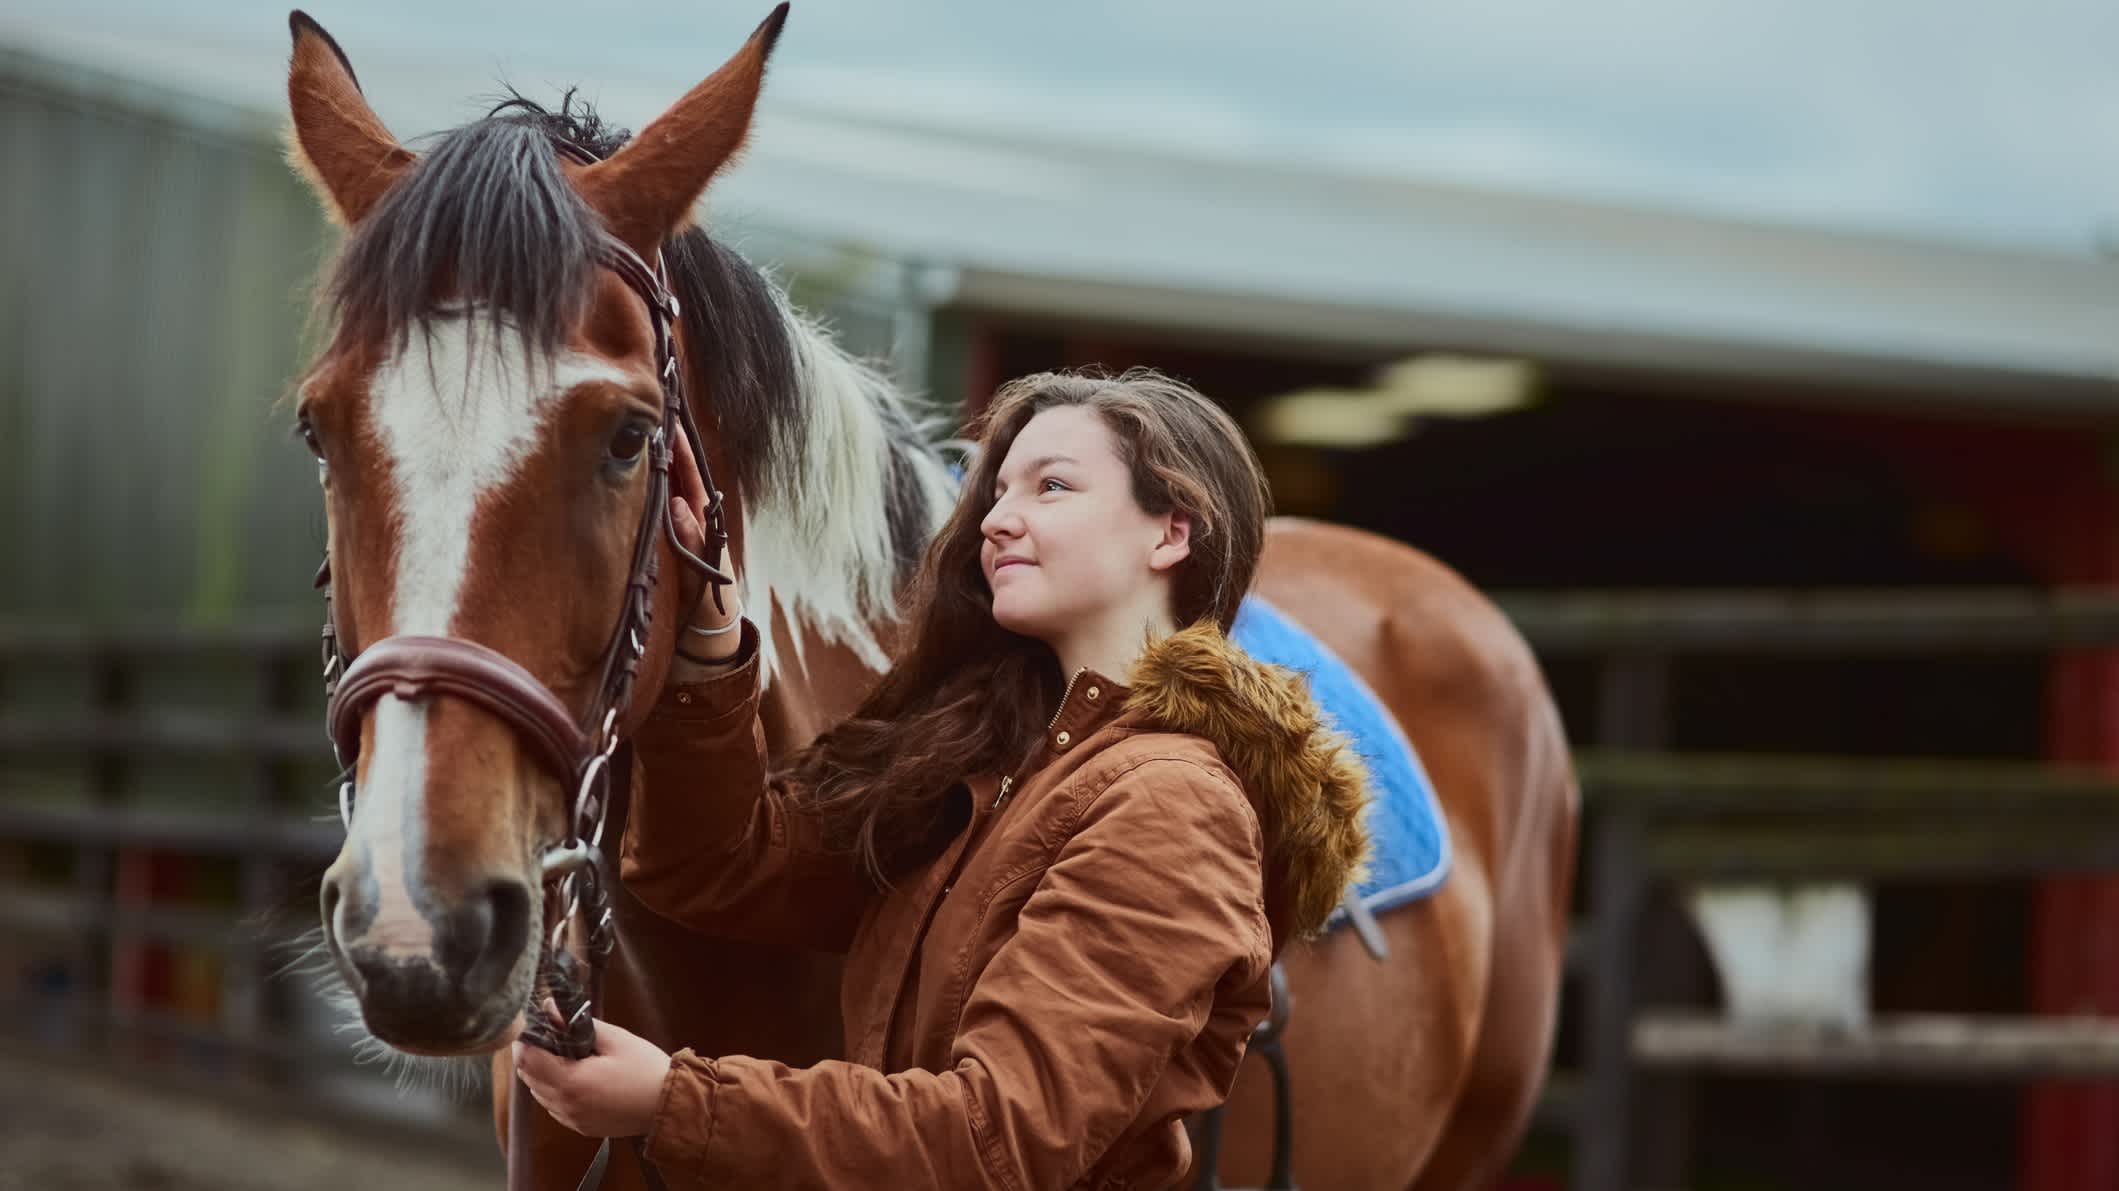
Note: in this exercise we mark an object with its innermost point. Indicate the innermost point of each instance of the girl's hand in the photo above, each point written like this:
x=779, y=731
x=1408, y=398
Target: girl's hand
x=612, y=1093
x=688, y=519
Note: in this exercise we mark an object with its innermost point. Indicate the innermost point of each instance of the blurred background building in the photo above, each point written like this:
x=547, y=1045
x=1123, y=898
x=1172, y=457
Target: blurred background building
x=1667, y=295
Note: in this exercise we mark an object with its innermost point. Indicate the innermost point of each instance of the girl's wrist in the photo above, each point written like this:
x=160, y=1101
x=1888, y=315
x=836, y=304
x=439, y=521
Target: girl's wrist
x=710, y=641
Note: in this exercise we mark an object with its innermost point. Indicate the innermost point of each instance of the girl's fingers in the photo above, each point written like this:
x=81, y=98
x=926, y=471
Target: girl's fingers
x=529, y=1068
x=684, y=473
x=689, y=531
x=532, y=1068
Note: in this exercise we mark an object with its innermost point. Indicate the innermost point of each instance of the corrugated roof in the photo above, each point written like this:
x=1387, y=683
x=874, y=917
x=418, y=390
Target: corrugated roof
x=1315, y=255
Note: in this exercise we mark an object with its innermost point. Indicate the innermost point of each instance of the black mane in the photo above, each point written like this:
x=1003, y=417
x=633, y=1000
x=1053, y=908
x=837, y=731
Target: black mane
x=488, y=208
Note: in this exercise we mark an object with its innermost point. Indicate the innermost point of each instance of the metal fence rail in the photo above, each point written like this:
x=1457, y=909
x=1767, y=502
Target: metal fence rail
x=109, y=712
x=1831, y=623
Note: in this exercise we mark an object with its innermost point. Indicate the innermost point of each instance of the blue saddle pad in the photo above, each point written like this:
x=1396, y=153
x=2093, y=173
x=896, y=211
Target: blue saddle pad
x=1409, y=854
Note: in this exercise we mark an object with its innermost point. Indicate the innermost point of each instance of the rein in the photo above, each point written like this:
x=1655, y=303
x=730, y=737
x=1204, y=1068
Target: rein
x=578, y=750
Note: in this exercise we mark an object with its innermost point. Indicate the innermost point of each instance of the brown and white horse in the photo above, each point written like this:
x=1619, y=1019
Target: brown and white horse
x=479, y=417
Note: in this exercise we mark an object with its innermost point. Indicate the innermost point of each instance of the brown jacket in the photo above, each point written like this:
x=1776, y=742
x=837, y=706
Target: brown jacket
x=1040, y=1005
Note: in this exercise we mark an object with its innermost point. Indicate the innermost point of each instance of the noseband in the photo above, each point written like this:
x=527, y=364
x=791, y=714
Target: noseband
x=577, y=749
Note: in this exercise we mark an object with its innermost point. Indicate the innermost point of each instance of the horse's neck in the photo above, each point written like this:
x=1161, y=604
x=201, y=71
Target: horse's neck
x=818, y=683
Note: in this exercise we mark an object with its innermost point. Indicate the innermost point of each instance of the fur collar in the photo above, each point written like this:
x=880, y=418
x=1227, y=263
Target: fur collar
x=1306, y=781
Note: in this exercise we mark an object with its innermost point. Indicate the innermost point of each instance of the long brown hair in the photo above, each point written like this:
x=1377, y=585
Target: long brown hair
x=969, y=697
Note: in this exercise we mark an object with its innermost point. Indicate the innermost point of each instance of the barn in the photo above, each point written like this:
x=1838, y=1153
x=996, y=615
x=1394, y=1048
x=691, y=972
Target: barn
x=1564, y=398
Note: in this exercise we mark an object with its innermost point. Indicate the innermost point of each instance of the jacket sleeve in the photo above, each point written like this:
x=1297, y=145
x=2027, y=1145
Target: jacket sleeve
x=1150, y=911
x=714, y=845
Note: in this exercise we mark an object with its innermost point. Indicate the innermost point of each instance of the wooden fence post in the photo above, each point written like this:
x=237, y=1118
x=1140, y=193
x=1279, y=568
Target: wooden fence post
x=1605, y=1122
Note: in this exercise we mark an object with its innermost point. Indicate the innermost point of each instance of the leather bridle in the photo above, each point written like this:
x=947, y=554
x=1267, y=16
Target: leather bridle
x=575, y=748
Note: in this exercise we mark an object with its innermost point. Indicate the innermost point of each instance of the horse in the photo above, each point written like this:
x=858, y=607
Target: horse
x=481, y=411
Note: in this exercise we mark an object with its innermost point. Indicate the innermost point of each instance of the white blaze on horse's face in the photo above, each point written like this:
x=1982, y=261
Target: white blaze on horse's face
x=457, y=416
x=456, y=428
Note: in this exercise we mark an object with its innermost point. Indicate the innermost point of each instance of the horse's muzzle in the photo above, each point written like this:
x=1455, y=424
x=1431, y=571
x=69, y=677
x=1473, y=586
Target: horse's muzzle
x=455, y=994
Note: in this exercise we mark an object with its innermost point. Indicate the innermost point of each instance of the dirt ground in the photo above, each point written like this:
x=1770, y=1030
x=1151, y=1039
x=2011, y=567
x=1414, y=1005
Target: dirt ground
x=63, y=1128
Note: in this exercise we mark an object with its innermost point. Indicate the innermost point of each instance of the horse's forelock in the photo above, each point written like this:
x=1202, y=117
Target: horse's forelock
x=486, y=218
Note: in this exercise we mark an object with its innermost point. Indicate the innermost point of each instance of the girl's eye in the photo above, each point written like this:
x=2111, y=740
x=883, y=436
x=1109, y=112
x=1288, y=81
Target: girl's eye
x=630, y=440
x=1051, y=485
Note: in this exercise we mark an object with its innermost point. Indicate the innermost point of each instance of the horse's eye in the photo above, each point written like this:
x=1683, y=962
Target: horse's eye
x=316, y=448
x=631, y=439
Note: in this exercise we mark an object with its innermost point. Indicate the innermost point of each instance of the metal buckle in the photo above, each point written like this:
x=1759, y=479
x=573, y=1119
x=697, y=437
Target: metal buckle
x=587, y=870
x=592, y=802
x=567, y=859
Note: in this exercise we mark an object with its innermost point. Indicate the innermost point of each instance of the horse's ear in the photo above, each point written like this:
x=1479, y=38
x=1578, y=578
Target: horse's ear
x=645, y=190
x=339, y=144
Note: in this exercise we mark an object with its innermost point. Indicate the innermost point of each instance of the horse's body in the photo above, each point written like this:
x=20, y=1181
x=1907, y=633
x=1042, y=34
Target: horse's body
x=1421, y=1070
x=1414, y=1071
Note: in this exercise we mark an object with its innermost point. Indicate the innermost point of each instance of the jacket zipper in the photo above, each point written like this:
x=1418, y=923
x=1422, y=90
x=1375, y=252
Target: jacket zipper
x=1008, y=783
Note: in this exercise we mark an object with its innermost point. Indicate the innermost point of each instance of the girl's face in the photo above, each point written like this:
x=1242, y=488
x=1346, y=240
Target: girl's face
x=1067, y=549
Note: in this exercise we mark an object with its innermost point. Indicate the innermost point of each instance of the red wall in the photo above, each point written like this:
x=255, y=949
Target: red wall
x=2051, y=495
x=2071, y=1134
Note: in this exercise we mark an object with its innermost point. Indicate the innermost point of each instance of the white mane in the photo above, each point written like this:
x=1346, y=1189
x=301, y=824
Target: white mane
x=818, y=542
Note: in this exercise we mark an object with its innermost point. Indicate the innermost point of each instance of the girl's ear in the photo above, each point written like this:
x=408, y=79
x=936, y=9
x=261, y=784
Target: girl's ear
x=1176, y=543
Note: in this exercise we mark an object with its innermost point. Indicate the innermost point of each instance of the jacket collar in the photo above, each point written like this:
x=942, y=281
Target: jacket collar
x=1305, y=780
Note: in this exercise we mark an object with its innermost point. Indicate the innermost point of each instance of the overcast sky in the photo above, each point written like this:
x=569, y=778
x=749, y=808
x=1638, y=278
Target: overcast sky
x=1974, y=119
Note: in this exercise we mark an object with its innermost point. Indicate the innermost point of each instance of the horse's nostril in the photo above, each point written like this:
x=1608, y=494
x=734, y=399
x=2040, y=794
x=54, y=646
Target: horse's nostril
x=487, y=937
x=330, y=905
